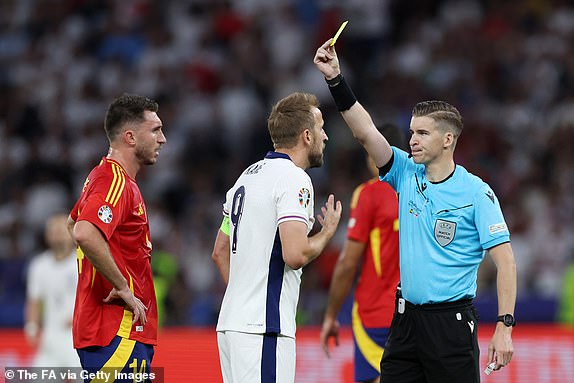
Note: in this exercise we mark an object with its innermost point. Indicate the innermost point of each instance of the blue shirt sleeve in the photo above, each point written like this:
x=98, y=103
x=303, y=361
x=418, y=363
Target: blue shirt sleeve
x=492, y=228
x=401, y=162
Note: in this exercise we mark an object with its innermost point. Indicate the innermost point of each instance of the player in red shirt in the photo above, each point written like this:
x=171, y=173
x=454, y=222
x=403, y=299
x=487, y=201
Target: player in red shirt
x=115, y=316
x=373, y=242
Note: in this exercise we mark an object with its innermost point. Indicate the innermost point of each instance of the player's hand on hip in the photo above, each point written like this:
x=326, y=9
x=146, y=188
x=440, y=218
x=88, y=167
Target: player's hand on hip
x=331, y=215
x=326, y=60
x=330, y=329
x=500, y=349
x=133, y=303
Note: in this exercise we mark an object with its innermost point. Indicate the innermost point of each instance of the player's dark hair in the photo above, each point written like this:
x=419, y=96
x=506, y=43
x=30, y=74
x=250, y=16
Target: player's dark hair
x=394, y=135
x=289, y=117
x=127, y=108
x=446, y=115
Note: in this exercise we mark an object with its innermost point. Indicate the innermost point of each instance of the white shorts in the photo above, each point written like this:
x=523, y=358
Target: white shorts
x=62, y=357
x=256, y=358
x=56, y=350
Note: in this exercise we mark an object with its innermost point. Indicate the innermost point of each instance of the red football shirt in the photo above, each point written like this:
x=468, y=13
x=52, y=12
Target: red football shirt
x=374, y=221
x=111, y=200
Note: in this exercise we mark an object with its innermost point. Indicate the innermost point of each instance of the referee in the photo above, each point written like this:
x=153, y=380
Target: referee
x=448, y=220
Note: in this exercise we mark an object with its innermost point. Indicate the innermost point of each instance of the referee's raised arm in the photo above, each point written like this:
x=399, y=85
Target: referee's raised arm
x=354, y=114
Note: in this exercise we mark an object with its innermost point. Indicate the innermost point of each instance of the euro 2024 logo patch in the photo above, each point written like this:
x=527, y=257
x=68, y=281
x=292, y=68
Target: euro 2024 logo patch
x=105, y=214
x=304, y=197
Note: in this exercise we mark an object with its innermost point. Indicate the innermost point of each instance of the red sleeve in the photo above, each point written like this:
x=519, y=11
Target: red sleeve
x=102, y=203
x=74, y=212
x=361, y=215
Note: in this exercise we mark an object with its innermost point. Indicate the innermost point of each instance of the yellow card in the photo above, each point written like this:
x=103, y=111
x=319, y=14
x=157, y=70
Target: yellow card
x=338, y=33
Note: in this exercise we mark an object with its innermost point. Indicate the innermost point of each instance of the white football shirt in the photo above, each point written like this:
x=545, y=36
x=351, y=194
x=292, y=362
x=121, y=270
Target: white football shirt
x=54, y=282
x=263, y=292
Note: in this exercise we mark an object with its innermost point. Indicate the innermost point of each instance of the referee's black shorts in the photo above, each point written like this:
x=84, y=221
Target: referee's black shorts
x=432, y=343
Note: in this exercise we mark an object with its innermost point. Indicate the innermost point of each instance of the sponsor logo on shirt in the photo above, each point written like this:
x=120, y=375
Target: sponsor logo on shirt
x=304, y=197
x=497, y=228
x=352, y=222
x=105, y=214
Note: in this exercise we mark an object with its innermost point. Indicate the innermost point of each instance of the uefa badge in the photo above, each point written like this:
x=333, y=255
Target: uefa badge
x=105, y=214
x=444, y=231
x=304, y=197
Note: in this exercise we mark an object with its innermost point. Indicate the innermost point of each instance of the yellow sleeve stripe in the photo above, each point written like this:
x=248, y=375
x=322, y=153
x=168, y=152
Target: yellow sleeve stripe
x=375, y=239
x=370, y=350
x=117, y=186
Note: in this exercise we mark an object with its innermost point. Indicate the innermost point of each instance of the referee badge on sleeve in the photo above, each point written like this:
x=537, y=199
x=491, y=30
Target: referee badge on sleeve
x=444, y=231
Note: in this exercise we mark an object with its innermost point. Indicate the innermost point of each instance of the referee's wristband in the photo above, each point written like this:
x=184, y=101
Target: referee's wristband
x=341, y=92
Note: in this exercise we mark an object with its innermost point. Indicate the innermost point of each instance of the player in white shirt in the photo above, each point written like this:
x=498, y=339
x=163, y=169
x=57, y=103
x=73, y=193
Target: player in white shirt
x=263, y=243
x=51, y=292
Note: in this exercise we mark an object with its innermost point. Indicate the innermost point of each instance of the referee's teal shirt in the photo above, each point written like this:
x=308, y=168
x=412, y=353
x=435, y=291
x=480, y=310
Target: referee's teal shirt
x=444, y=230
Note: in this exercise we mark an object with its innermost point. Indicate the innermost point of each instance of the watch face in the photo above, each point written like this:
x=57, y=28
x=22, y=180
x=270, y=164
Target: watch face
x=508, y=320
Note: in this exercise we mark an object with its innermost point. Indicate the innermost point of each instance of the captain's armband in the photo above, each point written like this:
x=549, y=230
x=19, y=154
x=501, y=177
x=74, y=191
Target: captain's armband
x=225, y=225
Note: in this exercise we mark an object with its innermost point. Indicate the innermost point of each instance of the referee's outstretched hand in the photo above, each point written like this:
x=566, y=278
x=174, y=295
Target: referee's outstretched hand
x=326, y=60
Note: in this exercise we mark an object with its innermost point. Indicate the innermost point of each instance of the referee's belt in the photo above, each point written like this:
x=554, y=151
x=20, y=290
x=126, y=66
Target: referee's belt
x=462, y=303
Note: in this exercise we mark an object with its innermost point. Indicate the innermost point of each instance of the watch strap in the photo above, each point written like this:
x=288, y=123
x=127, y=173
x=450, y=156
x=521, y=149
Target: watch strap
x=507, y=319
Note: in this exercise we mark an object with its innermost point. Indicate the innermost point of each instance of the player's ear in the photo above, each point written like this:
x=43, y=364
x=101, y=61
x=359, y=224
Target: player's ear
x=129, y=137
x=307, y=136
x=448, y=139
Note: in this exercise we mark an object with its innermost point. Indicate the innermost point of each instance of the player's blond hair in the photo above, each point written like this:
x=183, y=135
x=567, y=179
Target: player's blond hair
x=289, y=117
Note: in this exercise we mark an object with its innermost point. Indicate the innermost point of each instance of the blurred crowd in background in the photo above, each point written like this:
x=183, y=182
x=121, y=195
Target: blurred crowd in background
x=216, y=67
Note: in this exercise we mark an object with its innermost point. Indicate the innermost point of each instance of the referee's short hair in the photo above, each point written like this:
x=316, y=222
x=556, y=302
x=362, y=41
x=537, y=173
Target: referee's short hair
x=446, y=115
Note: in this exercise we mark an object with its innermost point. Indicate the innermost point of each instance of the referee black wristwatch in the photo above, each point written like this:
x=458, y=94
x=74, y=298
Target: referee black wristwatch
x=507, y=319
